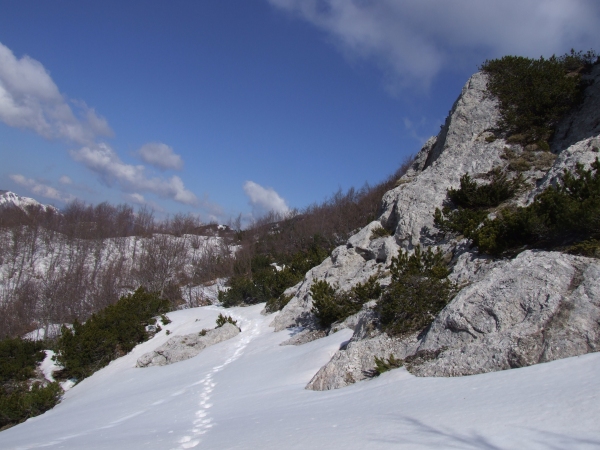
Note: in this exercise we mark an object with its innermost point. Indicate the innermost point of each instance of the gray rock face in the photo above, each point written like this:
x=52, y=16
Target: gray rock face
x=180, y=348
x=539, y=307
x=535, y=308
x=356, y=360
x=460, y=147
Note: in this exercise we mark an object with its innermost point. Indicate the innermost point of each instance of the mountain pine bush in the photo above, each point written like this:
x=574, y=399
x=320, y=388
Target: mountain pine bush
x=21, y=399
x=420, y=289
x=107, y=334
x=330, y=306
x=535, y=93
x=562, y=215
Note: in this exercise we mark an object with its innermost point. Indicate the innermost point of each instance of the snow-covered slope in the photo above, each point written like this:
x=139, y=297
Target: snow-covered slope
x=8, y=199
x=248, y=393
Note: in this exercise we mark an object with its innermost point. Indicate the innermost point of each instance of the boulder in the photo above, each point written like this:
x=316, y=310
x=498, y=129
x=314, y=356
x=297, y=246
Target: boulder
x=180, y=348
x=539, y=307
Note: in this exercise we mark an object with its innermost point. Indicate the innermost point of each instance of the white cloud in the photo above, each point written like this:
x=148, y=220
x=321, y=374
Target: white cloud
x=104, y=161
x=30, y=99
x=41, y=189
x=139, y=199
x=161, y=156
x=65, y=180
x=412, y=41
x=264, y=199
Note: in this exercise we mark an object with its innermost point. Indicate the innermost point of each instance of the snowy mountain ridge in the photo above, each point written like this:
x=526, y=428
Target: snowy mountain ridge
x=10, y=199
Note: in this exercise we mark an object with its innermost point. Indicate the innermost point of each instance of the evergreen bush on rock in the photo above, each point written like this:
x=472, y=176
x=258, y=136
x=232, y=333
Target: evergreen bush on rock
x=534, y=94
x=420, y=289
x=20, y=398
x=330, y=306
x=108, y=334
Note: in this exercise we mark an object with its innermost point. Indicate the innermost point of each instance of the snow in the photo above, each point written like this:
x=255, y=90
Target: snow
x=8, y=198
x=51, y=331
x=248, y=393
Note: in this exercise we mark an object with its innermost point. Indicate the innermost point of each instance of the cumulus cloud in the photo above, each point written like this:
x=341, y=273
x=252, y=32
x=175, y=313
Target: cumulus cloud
x=139, y=199
x=161, y=156
x=65, y=180
x=30, y=99
x=412, y=41
x=104, y=161
x=41, y=189
x=264, y=200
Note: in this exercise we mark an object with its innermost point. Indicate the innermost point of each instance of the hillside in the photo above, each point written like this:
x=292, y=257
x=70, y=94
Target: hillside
x=249, y=393
x=478, y=282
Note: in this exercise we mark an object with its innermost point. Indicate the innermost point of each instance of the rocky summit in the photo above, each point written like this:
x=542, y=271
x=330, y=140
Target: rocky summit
x=510, y=311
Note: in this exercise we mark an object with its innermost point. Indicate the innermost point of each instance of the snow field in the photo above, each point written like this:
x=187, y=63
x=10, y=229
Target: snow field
x=248, y=393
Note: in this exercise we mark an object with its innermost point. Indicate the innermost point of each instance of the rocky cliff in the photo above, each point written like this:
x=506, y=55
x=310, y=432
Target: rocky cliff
x=537, y=307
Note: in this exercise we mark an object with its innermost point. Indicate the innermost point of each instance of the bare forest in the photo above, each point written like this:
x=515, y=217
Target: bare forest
x=57, y=267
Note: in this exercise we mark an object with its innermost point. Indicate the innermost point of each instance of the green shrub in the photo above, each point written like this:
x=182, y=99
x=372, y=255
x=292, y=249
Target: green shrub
x=561, y=215
x=108, y=334
x=382, y=365
x=472, y=202
x=477, y=196
x=330, y=306
x=420, y=289
x=535, y=93
x=19, y=400
x=19, y=358
x=266, y=284
x=164, y=319
x=589, y=247
x=380, y=232
x=462, y=221
x=222, y=320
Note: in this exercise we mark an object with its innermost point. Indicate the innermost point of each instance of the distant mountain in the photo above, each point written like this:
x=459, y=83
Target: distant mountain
x=10, y=199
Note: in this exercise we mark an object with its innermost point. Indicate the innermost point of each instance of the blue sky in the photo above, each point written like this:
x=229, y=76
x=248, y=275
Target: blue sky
x=240, y=106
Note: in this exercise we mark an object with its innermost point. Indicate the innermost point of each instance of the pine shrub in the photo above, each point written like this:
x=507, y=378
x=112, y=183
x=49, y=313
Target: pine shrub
x=382, y=365
x=561, y=215
x=535, y=93
x=20, y=400
x=472, y=202
x=222, y=320
x=330, y=306
x=420, y=289
x=108, y=334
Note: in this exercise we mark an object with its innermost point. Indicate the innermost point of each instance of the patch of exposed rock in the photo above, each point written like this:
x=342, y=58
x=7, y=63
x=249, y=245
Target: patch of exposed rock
x=180, y=348
x=539, y=307
x=409, y=208
x=355, y=361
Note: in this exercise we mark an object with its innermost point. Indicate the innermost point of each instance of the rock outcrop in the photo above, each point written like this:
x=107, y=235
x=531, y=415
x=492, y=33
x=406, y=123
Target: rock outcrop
x=537, y=307
x=180, y=348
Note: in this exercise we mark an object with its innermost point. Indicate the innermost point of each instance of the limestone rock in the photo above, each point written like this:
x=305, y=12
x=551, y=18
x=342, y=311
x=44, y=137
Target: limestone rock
x=539, y=307
x=356, y=361
x=459, y=148
x=409, y=208
x=180, y=348
x=344, y=268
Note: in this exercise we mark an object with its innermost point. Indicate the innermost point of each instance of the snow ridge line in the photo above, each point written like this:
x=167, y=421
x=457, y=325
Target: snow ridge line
x=203, y=422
